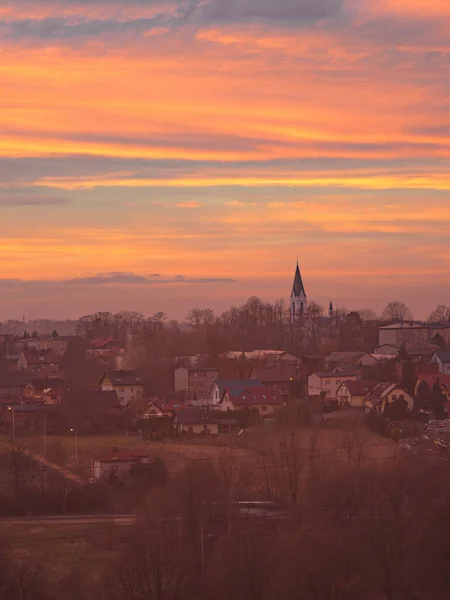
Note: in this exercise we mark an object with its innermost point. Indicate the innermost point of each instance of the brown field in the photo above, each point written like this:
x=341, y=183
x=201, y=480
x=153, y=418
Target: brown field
x=332, y=436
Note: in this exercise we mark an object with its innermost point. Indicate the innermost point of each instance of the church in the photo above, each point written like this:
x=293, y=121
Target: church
x=298, y=299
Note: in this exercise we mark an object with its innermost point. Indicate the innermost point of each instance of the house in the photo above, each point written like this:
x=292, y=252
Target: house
x=354, y=393
x=127, y=384
x=118, y=461
x=282, y=377
x=15, y=385
x=388, y=350
x=106, y=349
x=272, y=356
x=326, y=383
x=265, y=400
x=442, y=359
x=221, y=386
x=413, y=334
x=195, y=383
x=384, y=394
x=50, y=391
x=42, y=362
x=195, y=421
x=349, y=359
x=161, y=408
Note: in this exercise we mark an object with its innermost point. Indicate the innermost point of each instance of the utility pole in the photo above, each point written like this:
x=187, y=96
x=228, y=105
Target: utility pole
x=13, y=421
x=75, y=443
x=45, y=437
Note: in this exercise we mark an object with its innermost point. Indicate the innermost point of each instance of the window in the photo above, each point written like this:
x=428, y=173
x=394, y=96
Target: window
x=132, y=389
x=327, y=382
x=338, y=382
x=263, y=408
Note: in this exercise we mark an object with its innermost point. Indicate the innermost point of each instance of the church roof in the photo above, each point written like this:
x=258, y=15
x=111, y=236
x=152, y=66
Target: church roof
x=298, y=287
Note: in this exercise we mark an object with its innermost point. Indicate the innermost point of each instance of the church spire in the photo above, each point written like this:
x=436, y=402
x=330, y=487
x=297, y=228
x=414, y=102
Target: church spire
x=298, y=288
x=331, y=310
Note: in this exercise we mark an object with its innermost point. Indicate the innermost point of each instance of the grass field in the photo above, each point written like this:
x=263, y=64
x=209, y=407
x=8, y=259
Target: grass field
x=338, y=432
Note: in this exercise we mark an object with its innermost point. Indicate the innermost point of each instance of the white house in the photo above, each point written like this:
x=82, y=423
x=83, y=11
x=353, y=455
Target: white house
x=221, y=386
x=386, y=393
x=127, y=384
x=354, y=393
x=442, y=358
x=327, y=382
x=119, y=461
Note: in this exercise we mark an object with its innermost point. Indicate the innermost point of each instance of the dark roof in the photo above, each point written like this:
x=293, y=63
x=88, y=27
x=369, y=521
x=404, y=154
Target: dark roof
x=276, y=374
x=443, y=355
x=341, y=374
x=194, y=416
x=124, y=378
x=298, y=287
x=40, y=357
x=235, y=386
x=359, y=388
x=15, y=379
x=258, y=396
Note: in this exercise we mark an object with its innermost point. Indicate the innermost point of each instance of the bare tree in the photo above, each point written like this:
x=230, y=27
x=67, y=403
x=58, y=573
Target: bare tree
x=441, y=314
x=396, y=311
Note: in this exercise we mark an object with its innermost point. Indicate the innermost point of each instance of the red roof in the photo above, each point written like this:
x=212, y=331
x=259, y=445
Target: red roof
x=118, y=455
x=257, y=396
x=100, y=343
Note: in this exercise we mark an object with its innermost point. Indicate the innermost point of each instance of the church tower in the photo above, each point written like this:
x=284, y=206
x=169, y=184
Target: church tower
x=298, y=299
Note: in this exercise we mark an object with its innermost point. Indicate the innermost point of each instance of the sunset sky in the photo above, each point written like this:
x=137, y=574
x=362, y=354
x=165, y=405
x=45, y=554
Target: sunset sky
x=165, y=154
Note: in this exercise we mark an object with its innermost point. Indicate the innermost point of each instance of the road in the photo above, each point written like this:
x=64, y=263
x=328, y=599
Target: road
x=92, y=519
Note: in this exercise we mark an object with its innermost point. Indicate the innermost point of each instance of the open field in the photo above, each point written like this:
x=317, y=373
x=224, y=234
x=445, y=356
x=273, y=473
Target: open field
x=331, y=436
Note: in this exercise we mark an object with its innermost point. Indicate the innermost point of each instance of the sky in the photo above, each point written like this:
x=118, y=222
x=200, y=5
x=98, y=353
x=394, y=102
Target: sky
x=165, y=154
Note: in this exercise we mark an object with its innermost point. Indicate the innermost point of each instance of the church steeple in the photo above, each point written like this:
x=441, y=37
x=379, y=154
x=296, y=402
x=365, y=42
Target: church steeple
x=331, y=310
x=298, y=288
x=298, y=297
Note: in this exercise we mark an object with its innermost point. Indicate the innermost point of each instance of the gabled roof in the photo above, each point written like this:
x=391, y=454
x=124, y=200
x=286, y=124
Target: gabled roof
x=335, y=374
x=298, y=288
x=345, y=357
x=277, y=374
x=123, y=378
x=235, y=386
x=101, y=343
x=257, y=396
x=40, y=357
x=358, y=388
x=443, y=355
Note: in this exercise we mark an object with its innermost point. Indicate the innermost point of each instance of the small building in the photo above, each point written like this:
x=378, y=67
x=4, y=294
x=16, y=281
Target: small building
x=230, y=385
x=349, y=359
x=118, y=461
x=442, y=359
x=195, y=383
x=282, y=377
x=384, y=394
x=265, y=400
x=127, y=384
x=38, y=362
x=327, y=383
x=15, y=385
x=195, y=421
x=354, y=393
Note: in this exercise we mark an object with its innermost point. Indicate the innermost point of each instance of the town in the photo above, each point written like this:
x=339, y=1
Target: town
x=184, y=443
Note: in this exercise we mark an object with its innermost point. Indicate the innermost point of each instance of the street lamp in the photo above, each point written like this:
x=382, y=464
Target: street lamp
x=75, y=443
x=13, y=421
